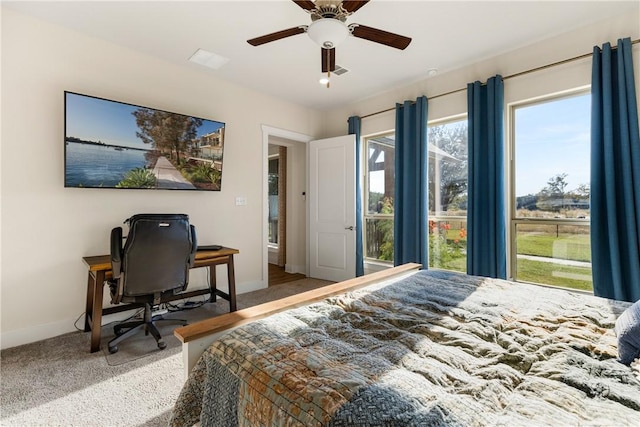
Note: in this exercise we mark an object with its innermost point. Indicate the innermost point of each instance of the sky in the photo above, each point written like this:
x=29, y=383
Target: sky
x=95, y=119
x=550, y=139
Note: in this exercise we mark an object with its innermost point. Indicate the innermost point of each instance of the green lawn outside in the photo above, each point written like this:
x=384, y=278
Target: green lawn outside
x=563, y=246
x=574, y=247
x=547, y=241
x=554, y=274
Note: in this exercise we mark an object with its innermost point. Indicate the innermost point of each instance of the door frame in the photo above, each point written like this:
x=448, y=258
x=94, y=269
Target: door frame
x=267, y=133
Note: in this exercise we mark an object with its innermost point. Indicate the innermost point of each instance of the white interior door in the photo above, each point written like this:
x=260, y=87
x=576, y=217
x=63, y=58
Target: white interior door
x=332, y=208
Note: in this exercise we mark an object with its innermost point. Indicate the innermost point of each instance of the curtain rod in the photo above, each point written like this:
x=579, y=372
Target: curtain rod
x=521, y=73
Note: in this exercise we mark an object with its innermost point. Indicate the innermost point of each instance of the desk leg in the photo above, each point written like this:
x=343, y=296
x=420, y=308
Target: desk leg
x=232, y=284
x=96, y=311
x=89, y=306
x=212, y=283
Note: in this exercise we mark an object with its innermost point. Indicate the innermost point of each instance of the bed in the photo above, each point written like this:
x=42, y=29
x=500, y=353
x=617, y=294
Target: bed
x=413, y=348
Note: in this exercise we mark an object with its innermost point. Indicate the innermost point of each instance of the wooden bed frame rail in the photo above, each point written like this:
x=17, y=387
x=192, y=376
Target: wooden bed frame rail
x=197, y=337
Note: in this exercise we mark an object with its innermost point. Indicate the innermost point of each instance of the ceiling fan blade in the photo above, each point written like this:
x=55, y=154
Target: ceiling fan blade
x=328, y=59
x=380, y=36
x=276, y=36
x=353, y=5
x=305, y=4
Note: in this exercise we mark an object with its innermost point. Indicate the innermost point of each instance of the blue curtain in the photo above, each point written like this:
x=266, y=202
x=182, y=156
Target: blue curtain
x=354, y=128
x=486, y=216
x=411, y=202
x=615, y=174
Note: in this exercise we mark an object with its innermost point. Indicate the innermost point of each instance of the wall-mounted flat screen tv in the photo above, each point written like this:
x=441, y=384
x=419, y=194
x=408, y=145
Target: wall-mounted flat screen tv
x=110, y=144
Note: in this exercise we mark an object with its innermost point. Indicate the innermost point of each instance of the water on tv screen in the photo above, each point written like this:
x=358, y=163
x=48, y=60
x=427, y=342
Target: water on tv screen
x=110, y=144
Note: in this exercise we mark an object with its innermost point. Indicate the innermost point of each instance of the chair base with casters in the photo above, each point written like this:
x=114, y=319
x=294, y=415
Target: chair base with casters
x=147, y=324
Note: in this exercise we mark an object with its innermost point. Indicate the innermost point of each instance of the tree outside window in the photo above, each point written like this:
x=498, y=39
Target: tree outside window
x=448, y=183
x=447, y=195
x=550, y=221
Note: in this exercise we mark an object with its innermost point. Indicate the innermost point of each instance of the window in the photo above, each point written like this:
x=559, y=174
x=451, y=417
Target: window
x=447, y=196
x=448, y=142
x=550, y=181
x=379, y=193
x=274, y=164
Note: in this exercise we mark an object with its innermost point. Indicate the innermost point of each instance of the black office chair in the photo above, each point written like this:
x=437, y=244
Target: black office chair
x=153, y=264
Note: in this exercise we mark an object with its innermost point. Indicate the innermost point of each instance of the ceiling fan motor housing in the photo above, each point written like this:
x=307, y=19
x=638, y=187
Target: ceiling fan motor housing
x=329, y=9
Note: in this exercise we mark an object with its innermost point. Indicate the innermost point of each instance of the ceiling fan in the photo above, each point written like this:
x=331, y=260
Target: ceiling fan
x=328, y=29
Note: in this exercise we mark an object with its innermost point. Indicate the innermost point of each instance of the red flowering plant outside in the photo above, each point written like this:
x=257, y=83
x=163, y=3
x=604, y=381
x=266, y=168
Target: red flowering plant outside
x=446, y=246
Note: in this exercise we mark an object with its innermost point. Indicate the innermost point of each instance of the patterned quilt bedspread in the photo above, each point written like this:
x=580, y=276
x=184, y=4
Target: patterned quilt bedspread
x=436, y=348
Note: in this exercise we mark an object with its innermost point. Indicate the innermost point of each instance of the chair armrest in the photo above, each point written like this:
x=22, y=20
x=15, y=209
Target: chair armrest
x=194, y=246
x=116, y=252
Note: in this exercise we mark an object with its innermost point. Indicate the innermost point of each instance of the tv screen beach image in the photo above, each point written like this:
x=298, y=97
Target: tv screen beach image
x=111, y=144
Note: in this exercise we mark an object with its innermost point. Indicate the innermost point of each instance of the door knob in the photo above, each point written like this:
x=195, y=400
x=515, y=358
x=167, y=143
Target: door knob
x=351, y=227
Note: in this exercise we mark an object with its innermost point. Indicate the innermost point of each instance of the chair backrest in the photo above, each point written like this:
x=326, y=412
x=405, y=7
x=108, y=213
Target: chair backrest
x=157, y=255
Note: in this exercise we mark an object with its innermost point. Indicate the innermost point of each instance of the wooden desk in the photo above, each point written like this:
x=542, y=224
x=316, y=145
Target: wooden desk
x=100, y=270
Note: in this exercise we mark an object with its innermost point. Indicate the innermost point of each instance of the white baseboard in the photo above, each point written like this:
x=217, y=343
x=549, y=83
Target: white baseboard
x=36, y=333
x=295, y=269
x=249, y=287
x=49, y=330
x=272, y=254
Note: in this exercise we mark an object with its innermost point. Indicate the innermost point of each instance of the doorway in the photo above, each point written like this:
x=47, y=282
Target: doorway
x=277, y=220
x=285, y=207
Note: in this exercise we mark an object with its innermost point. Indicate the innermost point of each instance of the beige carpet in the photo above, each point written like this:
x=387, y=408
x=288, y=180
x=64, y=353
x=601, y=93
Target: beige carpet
x=140, y=345
x=57, y=382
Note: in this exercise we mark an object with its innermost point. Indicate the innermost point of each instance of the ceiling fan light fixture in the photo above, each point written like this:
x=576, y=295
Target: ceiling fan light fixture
x=328, y=32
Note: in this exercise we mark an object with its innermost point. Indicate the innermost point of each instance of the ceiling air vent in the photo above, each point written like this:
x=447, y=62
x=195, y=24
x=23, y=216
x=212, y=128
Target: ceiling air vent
x=339, y=70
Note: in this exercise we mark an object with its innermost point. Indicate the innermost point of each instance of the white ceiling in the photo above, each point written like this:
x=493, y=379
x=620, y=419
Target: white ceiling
x=446, y=35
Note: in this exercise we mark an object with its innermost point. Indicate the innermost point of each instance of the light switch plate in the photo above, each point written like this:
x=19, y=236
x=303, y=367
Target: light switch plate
x=241, y=201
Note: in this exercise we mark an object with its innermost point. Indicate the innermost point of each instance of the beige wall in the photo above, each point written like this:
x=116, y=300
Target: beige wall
x=47, y=229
